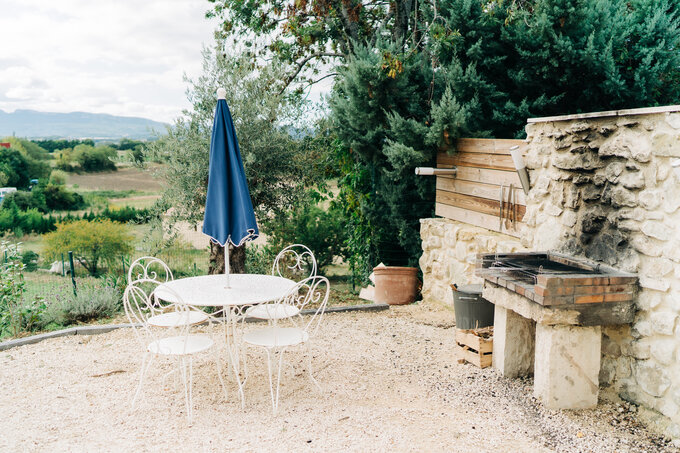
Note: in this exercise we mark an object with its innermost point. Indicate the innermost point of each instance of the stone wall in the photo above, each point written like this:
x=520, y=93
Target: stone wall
x=449, y=249
x=603, y=188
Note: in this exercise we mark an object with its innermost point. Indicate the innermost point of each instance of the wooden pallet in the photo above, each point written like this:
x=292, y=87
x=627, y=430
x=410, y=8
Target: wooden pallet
x=475, y=346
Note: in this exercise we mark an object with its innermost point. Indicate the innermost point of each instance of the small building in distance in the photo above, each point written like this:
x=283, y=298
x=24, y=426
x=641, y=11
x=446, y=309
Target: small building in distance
x=5, y=190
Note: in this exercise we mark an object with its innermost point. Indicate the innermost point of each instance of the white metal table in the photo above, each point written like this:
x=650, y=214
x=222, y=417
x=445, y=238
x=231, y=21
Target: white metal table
x=211, y=291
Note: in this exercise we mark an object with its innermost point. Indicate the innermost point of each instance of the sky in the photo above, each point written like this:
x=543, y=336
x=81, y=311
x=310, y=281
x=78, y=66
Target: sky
x=122, y=57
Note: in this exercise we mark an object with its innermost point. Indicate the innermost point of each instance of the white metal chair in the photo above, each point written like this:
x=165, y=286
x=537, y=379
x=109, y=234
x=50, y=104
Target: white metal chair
x=296, y=262
x=154, y=271
x=293, y=331
x=172, y=342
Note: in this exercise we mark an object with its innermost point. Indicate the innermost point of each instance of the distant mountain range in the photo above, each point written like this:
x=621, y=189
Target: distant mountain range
x=33, y=124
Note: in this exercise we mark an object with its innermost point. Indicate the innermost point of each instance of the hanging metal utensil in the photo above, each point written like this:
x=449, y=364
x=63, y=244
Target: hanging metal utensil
x=500, y=213
x=511, y=206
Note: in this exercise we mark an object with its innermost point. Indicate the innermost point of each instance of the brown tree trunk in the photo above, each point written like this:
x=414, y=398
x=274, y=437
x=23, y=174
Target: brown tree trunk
x=237, y=259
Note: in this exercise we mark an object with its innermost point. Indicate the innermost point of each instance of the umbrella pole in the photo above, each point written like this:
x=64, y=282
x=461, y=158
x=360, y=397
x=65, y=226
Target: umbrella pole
x=226, y=263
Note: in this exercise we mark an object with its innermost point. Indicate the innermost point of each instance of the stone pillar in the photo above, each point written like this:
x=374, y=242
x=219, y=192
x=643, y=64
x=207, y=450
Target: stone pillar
x=513, y=343
x=567, y=366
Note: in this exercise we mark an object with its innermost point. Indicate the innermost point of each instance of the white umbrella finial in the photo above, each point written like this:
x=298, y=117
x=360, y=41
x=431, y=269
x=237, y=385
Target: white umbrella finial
x=221, y=93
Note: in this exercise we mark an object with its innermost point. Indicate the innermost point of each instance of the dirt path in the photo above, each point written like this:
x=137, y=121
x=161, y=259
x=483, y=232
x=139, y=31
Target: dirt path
x=390, y=384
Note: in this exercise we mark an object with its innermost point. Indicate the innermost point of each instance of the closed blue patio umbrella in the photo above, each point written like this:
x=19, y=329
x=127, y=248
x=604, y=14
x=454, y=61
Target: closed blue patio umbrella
x=229, y=215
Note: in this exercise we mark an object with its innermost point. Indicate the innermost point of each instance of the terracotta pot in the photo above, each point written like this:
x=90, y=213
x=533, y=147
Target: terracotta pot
x=395, y=285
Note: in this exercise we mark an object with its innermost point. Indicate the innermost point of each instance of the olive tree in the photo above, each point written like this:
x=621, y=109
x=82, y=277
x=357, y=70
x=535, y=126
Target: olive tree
x=277, y=167
x=91, y=242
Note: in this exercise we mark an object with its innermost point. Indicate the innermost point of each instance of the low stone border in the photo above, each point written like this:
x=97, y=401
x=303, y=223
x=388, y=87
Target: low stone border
x=95, y=330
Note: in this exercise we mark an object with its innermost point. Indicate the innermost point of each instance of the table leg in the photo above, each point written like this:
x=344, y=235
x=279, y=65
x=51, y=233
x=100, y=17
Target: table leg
x=234, y=356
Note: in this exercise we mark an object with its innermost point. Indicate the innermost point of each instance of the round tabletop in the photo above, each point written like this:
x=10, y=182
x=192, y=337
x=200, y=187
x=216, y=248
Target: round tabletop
x=212, y=291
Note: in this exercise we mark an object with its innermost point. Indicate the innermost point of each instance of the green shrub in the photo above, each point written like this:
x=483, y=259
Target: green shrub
x=21, y=198
x=91, y=242
x=58, y=177
x=30, y=260
x=12, y=219
x=126, y=214
x=93, y=301
x=323, y=231
x=15, y=314
x=259, y=259
x=59, y=198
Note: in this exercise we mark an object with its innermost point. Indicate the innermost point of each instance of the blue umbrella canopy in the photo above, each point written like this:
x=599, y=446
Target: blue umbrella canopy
x=229, y=215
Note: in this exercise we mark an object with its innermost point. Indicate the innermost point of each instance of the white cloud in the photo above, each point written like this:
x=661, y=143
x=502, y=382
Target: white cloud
x=123, y=57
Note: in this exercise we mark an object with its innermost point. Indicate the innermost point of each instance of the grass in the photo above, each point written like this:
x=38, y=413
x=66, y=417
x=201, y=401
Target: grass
x=139, y=202
x=131, y=178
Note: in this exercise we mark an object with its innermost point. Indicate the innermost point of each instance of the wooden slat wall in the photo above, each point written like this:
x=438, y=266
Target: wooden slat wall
x=473, y=195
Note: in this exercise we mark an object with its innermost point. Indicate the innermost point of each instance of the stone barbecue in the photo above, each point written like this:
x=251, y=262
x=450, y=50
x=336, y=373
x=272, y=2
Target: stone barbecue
x=549, y=309
x=605, y=186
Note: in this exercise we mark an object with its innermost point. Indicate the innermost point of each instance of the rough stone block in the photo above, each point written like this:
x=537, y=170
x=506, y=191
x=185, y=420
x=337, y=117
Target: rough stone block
x=553, y=210
x=663, y=322
x=623, y=368
x=541, y=186
x=666, y=144
x=650, y=199
x=662, y=172
x=628, y=225
x=513, y=343
x=610, y=347
x=576, y=161
x=648, y=300
x=673, y=120
x=667, y=407
x=633, y=181
x=567, y=366
x=672, y=251
x=663, y=350
x=569, y=218
x=613, y=171
x=671, y=201
x=620, y=197
x=656, y=268
x=433, y=242
x=641, y=349
x=642, y=327
x=656, y=230
x=607, y=371
x=627, y=145
x=572, y=196
x=652, y=378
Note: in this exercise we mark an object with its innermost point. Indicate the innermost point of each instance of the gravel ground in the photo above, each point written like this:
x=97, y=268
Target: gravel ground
x=390, y=381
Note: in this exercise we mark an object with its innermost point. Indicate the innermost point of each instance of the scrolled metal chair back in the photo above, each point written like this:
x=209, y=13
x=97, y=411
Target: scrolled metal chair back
x=295, y=261
x=312, y=292
x=149, y=268
x=140, y=302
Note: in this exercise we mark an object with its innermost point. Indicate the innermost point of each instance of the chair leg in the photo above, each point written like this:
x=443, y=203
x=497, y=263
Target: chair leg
x=191, y=388
x=274, y=397
x=244, y=350
x=183, y=371
x=142, y=372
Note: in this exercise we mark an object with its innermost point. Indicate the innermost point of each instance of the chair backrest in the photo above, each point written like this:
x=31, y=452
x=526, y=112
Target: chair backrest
x=140, y=303
x=149, y=268
x=310, y=293
x=295, y=262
